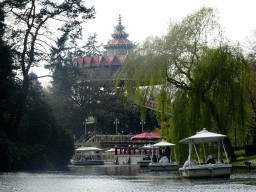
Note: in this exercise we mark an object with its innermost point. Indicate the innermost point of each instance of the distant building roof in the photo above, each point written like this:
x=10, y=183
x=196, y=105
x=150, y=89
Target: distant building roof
x=100, y=61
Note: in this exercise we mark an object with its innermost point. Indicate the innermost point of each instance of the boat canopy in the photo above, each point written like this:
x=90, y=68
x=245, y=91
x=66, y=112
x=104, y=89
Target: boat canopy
x=204, y=136
x=149, y=146
x=83, y=149
x=111, y=150
x=163, y=143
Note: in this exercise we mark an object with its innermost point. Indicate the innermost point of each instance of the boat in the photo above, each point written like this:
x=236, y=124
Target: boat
x=88, y=156
x=205, y=170
x=164, y=165
x=147, y=155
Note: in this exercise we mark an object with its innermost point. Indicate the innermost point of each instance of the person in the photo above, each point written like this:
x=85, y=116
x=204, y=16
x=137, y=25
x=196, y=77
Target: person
x=210, y=160
x=164, y=159
x=168, y=153
x=160, y=152
x=192, y=162
x=146, y=158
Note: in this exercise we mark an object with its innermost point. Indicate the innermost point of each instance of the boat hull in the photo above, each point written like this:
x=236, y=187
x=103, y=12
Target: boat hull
x=206, y=171
x=144, y=163
x=88, y=162
x=163, y=166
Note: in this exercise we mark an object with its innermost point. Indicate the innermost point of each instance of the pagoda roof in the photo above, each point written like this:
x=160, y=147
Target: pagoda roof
x=87, y=60
x=95, y=61
x=119, y=37
x=119, y=43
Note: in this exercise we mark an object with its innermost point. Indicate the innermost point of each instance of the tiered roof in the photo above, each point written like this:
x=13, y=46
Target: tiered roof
x=100, y=61
x=120, y=38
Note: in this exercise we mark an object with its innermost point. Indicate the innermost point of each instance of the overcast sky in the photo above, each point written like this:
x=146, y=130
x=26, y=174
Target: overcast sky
x=143, y=18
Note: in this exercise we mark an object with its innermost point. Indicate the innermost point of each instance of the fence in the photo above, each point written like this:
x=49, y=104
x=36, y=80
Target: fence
x=112, y=138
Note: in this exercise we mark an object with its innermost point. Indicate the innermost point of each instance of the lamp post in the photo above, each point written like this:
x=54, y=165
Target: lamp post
x=85, y=122
x=142, y=122
x=89, y=120
x=116, y=122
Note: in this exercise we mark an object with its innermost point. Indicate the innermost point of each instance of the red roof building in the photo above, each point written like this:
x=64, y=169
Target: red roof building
x=117, y=50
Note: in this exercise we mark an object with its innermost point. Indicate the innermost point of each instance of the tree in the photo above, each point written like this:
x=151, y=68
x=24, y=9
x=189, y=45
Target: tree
x=187, y=68
x=32, y=33
x=65, y=75
x=91, y=47
x=7, y=76
x=251, y=107
x=42, y=141
x=251, y=43
x=9, y=87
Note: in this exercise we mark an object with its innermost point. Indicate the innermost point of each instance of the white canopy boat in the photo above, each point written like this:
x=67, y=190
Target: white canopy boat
x=164, y=166
x=88, y=156
x=145, y=162
x=205, y=170
x=111, y=150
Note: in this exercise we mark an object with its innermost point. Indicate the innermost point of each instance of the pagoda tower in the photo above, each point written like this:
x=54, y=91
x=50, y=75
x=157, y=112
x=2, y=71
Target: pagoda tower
x=117, y=50
x=120, y=45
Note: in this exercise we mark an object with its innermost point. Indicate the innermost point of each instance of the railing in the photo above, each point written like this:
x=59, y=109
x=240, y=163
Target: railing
x=134, y=151
x=112, y=138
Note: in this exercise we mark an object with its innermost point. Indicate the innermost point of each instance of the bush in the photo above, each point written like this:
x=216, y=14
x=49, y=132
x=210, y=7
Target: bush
x=239, y=153
x=8, y=152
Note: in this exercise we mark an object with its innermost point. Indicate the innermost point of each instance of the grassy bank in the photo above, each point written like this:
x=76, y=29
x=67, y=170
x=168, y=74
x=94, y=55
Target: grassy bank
x=241, y=159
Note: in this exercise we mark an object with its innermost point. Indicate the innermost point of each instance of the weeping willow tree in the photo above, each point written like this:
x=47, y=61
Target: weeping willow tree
x=194, y=72
x=217, y=99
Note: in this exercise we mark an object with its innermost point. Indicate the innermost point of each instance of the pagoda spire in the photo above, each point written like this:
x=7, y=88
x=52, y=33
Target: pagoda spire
x=119, y=33
x=119, y=27
x=119, y=44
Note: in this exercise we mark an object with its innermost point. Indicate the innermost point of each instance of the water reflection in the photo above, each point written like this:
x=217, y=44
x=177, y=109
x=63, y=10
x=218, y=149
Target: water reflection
x=120, y=178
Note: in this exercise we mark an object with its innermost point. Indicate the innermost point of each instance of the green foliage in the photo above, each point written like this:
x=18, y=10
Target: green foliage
x=7, y=81
x=167, y=61
x=240, y=153
x=217, y=89
x=42, y=142
x=8, y=152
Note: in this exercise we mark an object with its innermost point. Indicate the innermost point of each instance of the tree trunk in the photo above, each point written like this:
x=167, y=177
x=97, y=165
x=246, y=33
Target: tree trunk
x=229, y=149
x=222, y=130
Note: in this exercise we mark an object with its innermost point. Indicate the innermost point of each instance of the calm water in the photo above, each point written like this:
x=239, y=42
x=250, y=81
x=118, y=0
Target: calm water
x=120, y=178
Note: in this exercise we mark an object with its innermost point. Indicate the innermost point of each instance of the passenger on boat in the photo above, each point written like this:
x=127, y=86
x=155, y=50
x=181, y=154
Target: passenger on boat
x=160, y=152
x=192, y=162
x=164, y=159
x=168, y=153
x=210, y=160
x=154, y=159
x=147, y=158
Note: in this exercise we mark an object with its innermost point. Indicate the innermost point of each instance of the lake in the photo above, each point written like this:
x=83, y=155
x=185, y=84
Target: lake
x=120, y=178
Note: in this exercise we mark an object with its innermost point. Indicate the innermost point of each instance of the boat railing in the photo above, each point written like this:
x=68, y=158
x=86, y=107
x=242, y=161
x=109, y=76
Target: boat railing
x=134, y=151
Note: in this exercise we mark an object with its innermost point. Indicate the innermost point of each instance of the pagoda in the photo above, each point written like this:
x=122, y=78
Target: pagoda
x=117, y=50
x=120, y=45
